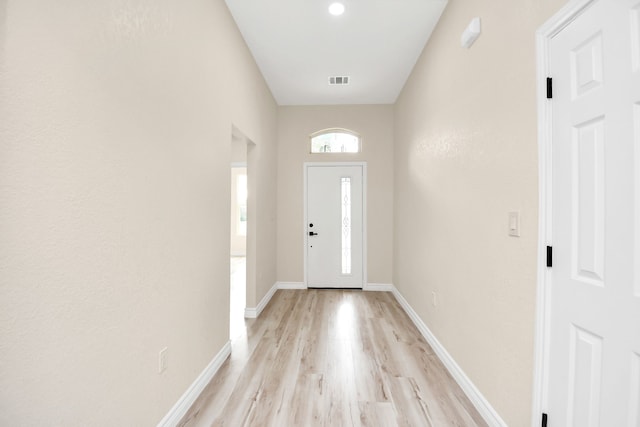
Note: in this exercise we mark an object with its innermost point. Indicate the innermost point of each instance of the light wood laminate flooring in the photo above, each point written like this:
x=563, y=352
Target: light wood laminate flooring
x=332, y=358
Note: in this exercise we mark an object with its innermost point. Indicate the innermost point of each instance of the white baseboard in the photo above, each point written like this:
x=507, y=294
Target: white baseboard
x=254, y=312
x=185, y=402
x=291, y=285
x=378, y=287
x=479, y=401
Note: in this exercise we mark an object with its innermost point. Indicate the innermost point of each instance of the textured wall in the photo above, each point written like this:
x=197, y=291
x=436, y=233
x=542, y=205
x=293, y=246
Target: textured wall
x=375, y=125
x=466, y=155
x=115, y=132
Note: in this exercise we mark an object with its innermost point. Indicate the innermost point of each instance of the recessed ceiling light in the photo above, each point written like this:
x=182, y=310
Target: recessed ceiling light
x=336, y=9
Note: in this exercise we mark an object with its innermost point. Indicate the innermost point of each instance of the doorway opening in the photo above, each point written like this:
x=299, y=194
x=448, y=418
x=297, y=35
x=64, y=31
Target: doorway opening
x=238, y=250
x=238, y=236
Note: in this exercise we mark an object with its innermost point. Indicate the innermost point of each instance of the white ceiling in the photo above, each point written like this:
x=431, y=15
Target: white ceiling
x=298, y=45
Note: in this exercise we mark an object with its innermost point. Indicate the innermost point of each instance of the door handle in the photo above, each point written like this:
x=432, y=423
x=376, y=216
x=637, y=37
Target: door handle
x=311, y=233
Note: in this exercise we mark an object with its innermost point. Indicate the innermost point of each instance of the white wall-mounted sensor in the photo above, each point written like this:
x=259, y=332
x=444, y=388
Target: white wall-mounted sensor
x=471, y=33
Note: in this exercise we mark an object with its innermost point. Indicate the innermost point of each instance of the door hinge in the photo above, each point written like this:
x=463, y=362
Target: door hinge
x=549, y=88
x=549, y=256
x=544, y=420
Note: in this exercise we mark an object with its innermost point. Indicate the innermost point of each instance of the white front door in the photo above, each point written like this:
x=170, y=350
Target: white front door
x=334, y=226
x=594, y=342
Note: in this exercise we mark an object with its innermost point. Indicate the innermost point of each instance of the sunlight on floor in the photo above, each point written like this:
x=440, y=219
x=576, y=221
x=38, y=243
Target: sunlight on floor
x=238, y=296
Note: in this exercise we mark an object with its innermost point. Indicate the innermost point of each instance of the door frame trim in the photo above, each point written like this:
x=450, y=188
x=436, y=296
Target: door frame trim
x=305, y=169
x=551, y=28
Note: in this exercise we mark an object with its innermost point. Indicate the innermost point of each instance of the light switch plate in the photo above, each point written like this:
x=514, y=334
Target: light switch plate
x=514, y=224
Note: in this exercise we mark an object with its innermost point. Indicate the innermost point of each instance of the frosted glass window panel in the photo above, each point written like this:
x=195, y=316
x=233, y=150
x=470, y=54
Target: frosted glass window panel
x=346, y=225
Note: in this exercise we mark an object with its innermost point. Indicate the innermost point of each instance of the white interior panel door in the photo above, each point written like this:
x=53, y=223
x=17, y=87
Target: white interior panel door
x=594, y=342
x=334, y=236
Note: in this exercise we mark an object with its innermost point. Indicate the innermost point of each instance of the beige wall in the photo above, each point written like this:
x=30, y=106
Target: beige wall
x=466, y=155
x=375, y=125
x=115, y=132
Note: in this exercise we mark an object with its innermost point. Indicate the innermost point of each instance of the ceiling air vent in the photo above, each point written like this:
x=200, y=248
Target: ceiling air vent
x=339, y=80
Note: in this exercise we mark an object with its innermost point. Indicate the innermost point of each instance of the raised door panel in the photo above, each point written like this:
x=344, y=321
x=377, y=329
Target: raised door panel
x=588, y=196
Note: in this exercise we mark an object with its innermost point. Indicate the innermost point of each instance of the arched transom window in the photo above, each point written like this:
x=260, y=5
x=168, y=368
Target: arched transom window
x=335, y=141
